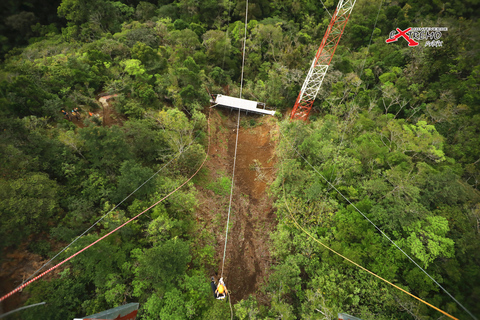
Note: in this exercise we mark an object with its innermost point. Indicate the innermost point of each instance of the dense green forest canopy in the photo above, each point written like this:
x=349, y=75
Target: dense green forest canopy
x=396, y=129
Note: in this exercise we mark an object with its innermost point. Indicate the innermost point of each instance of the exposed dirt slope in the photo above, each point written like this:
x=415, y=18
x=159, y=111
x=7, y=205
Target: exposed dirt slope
x=252, y=216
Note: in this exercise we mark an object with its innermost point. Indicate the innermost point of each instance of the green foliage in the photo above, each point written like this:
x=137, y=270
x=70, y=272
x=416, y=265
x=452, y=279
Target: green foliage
x=221, y=186
x=41, y=247
x=150, y=58
x=133, y=67
x=146, y=139
x=427, y=240
x=64, y=297
x=217, y=311
x=93, y=17
x=247, y=309
x=397, y=174
x=178, y=130
x=161, y=267
x=132, y=176
x=145, y=11
x=27, y=203
x=130, y=108
x=395, y=129
x=105, y=148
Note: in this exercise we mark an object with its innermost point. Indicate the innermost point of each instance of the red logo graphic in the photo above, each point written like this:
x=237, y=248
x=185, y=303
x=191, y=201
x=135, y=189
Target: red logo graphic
x=411, y=42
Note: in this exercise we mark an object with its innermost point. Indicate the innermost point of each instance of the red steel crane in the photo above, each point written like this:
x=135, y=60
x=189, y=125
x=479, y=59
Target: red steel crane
x=322, y=60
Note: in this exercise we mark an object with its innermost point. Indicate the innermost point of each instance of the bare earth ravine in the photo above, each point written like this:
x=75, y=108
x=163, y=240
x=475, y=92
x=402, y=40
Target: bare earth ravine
x=252, y=219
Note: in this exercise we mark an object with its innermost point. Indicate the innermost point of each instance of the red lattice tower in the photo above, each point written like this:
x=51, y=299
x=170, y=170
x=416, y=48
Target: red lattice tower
x=322, y=60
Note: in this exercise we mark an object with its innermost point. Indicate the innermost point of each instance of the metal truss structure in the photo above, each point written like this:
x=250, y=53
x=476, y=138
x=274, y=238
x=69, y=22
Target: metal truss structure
x=322, y=60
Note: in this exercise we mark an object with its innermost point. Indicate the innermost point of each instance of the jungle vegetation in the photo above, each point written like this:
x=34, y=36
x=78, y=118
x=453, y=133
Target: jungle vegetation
x=396, y=129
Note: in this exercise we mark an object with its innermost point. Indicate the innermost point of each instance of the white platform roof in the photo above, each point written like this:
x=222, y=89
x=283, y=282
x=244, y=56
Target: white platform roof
x=242, y=104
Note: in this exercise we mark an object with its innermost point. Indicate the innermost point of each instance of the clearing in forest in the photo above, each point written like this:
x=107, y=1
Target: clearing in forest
x=252, y=217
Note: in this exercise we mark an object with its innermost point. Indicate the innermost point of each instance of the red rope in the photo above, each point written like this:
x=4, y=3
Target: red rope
x=100, y=239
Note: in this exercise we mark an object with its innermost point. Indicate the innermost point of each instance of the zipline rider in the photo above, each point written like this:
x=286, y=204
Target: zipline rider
x=220, y=291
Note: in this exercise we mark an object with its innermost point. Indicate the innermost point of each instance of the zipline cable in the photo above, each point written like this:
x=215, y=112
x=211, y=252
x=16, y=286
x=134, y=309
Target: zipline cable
x=380, y=230
x=355, y=96
x=354, y=263
x=326, y=8
x=106, y=214
x=3, y=315
x=231, y=194
x=369, y=43
x=114, y=230
x=226, y=35
x=360, y=78
x=236, y=144
x=364, y=61
x=235, y=160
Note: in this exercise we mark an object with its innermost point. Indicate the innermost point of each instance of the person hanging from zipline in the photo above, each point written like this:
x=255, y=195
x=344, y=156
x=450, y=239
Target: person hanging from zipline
x=220, y=291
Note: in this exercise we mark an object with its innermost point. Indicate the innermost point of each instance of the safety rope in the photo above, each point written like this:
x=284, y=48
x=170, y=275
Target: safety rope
x=354, y=263
x=114, y=230
x=371, y=222
x=106, y=214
